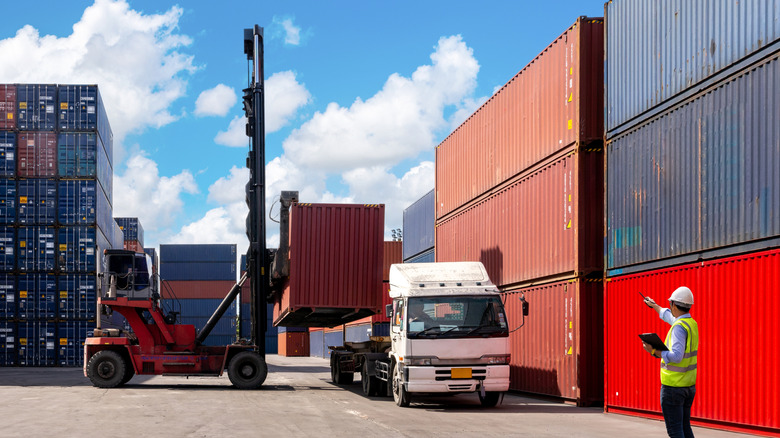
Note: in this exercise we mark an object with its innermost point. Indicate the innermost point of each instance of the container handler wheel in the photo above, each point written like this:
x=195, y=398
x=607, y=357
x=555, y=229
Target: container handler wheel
x=247, y=370
x=106, y=369
x=129, y=373
x=400, y=395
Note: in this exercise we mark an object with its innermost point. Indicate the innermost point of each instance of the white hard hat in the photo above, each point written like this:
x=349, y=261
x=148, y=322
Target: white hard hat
x=682, y=295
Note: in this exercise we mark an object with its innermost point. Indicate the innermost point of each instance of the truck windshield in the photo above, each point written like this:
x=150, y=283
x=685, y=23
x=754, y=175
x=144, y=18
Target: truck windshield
x=456, y=317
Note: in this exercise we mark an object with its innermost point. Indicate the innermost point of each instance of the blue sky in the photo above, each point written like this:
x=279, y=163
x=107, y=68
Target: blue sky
x=358, y=94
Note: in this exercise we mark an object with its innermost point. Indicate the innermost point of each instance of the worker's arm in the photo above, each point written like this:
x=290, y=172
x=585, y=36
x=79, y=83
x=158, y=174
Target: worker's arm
x=677, y=349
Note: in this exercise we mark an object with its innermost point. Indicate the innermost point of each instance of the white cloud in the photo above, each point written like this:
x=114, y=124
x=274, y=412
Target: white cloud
x=216, y=101
x=141, y=192
x=397, y=123
x=285, y=26
x=235, y=136
x=133, y=57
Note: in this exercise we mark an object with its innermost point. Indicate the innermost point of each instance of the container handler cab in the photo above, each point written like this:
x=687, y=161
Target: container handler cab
x=157, y=345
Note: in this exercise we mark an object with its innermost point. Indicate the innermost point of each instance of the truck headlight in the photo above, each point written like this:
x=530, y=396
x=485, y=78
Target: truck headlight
x=499, y=359
x=420, y=361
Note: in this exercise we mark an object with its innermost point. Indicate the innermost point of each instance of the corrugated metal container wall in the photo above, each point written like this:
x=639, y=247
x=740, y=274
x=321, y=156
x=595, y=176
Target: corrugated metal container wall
x=7, y=248
x=37, y=154
x=132, y=228
x=7, y=343
x=7, y=296
x=132, y=245
x=196, y=289
x=7, y=201
x=70, y=342
x=77, y=297
x=7, y=154
x=649, y=61
x=332, y=339
x=546, y=222
x=36, y=341
x=559, y=350
x=37, y=296
x=81, y=202
x=7, y=106
x=198, y=271
x=357, y=332
x=335, y=264
x=198, y=253
x=37, y=201
x=700, y=176
x=81, y=109
x=36, y=104
x=293, y=344
x=717, y=285
x=419, y=221
x=552, y=103
x=426, y=257
x=82, y=155
x=316, y=342
x=35, y=248
x=391, y=254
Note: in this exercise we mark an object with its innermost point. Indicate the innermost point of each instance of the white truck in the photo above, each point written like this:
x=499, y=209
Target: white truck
x=448, y=334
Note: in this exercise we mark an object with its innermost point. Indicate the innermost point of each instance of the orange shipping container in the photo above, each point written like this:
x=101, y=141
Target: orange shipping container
x=195, y=289
x=294, y=344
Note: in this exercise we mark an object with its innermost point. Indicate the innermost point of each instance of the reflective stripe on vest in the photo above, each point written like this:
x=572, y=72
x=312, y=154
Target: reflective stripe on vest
x=682, y=373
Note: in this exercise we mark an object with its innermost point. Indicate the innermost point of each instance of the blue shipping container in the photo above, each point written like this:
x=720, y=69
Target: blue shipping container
x=317, y=343
x=7, y=154
x=37, y=296
x=419, y=221
x=35, y=246
x=81, y=109
x=426, y=257
x=7, y=296
x=77, y=296
x=7, y=248
x=132, y=229
x=333, y=339
x=82, y=155
x=36, y=107
x=271, y=344
x=7, y=343
x=198, y=253
x=197, y=271
x=78, y=249
x=37, y=201
x=82, y=203
x=7, y=201
x=70, y=342
x=36, y=343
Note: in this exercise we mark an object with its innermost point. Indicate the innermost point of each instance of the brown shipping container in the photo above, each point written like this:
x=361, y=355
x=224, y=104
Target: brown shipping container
x=7, y=106
x=393, y=253
x=560, y=349
x=37, y=153
x=335, y=264
x=547, y=222
x=552, y=103
x=195, y=289
x=293, y=344
x=133, y=245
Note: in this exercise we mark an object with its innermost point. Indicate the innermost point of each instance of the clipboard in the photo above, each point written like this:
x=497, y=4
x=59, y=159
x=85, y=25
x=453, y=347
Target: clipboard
x=654, y=341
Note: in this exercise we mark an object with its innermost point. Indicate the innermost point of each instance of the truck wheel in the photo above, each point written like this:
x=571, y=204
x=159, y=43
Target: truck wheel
x=247, y=370
x=490, y=399
x=370, y=384
x=106, y=369
x=338, y=377
x=400, y=395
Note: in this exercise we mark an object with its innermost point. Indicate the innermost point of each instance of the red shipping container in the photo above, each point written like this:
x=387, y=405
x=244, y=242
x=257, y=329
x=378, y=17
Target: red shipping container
x=392, y=254
x=195, y=289
x=379, y=317
x=293, y=344
x=335, y=264
x=559, y=351
x=552, y=103
x=547, y=222
x=133, y=245
x=735, y=305
x=7, y=106
x=37, y=153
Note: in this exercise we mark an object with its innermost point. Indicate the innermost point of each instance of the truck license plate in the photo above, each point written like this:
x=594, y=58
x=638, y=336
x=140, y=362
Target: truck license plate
x=461, y=373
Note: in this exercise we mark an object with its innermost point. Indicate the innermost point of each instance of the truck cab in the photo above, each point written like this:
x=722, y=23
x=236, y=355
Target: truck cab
x=449, y=332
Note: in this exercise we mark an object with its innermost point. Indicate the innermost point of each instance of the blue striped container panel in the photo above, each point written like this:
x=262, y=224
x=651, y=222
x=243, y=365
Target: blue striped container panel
x=7, y=343
x=7, y=296
x=358, y=333
x=7, y=248
x=333, y=339
x=82, y=203
x=317, y=343
x=81, y=109
x=419, y=221
x=70, y=342
x=7, y=154
x=198, y=253
x=76, y=296
x=131, y=228
x=425, y=257
x=271, y=344
x=197, y=271
x=37, y=296
x=37, y=201
x=82, y=155
x=36, y=105
x=35, y=246
x=37, y=343
x=7, y=201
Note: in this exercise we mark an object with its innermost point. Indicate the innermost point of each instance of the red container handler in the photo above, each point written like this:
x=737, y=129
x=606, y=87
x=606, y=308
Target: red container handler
x=559, y=350
x=545, y=223
x=7, y=106
x=553, y=102
x=215, y=289
x=37, y=154
x=293, y=344
x=738, y=386
x=335, y=262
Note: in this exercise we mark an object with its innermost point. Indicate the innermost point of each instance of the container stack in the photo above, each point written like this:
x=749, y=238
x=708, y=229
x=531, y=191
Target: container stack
x=692, y=198
x=418, y=231
x=271, y=332
x=133, y=233
x=194, y=281
x=519, y=187
x=55, y=196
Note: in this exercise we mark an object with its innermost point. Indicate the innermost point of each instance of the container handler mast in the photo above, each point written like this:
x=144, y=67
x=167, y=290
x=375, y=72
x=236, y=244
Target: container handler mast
x=158, y=345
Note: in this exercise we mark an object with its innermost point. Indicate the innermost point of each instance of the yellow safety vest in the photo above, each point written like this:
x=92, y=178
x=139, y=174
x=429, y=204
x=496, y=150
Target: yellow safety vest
x=683, y=373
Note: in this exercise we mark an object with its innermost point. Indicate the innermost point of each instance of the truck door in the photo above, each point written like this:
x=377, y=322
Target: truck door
x=398, y=327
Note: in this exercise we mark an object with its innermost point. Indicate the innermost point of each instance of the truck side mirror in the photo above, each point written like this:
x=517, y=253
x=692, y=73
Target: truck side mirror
x=389, y=310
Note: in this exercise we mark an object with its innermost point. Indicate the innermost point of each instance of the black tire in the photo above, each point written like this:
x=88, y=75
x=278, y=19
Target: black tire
x=247, y=370
x=401, y=397
x=490, y=399
x=338, y=377
x=370, y=383
x=106, y=369
x=129, y=373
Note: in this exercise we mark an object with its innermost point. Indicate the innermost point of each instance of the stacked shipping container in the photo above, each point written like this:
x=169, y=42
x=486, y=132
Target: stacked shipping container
x=518, y=187
x=418, y=231
x=133, y=233
x=195, y=280
x=692, y=192
x=55, y=196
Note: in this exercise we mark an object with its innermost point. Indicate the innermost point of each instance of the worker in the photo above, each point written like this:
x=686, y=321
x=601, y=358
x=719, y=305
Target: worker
x=678, y=364
x=417, y=313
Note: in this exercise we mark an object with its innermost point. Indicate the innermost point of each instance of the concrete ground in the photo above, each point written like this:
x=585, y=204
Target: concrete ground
x=297, y=400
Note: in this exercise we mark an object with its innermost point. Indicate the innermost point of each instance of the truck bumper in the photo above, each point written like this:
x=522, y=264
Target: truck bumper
x=440, y=379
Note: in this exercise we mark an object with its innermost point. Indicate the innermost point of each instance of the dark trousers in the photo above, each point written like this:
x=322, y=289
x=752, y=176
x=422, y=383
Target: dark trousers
x=676, y=405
